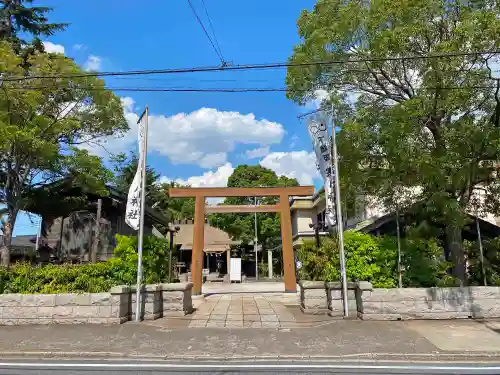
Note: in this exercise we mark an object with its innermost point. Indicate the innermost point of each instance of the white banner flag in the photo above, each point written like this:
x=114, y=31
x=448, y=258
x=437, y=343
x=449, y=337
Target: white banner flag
x=133, y=211
x=318, y=130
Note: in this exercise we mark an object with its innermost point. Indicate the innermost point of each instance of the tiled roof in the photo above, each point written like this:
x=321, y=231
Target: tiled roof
x=215, y=239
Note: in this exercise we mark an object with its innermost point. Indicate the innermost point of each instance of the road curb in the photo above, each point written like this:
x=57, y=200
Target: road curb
x=359, y=357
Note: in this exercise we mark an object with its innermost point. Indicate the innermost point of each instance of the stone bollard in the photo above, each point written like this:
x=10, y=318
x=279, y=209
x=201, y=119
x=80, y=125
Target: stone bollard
x=336, y=300
x=313, y=297
x=151, y=302
x=120, y=303
x=364, y=288
x=176, y=299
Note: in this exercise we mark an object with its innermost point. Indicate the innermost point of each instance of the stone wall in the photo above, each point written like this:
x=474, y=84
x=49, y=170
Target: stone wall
x=114, y=307
x=429, y=303
x=70, y=308
x=318, y=297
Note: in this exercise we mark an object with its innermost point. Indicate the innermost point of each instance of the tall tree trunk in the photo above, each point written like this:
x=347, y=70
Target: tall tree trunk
x=8, y=229
x=455, y=249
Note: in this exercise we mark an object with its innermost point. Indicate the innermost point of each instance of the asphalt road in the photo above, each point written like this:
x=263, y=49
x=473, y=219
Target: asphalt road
x=127, y=367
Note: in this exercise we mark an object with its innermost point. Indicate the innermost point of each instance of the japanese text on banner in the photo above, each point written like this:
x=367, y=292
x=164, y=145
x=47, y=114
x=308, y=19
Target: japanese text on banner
x=133, y=211
x=318, y=130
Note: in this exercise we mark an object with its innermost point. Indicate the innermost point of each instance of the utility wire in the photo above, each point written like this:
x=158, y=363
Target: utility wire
x=211, y=27
x=253, y=66
x=223, y=63
x=219, y=89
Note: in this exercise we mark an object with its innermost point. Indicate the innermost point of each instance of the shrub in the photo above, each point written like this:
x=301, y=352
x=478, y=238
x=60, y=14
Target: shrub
x=317, y=262
x=91, y=278
x=154, y=257
x=374, y=259
x=491, y=258
x=424, y=264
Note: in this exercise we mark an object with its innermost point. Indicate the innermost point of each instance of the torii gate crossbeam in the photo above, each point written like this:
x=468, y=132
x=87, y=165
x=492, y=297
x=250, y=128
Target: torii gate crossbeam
x=283, y=208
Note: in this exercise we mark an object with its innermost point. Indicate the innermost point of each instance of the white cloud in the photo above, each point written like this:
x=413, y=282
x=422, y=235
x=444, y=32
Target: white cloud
x=53, y=48
x=295, y=164
x=213, y=160
x=93, y=63
x=128, y=104
x=257, y=152
x=217, y=178
x=203, y=137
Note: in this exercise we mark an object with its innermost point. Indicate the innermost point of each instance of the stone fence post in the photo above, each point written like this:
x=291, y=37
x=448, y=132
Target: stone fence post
x=151, y=308
x=336, y=300
x=313, y=297
x=176, y=299
x=120, y=303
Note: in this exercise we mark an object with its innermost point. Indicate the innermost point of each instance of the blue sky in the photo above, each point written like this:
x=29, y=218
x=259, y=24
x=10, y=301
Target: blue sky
x=196, y=138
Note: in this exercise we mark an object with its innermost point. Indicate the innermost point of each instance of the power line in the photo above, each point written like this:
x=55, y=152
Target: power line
x=166, y=89
x=206, y=33
x=252, y=66
x=228, y=90
x=211, y=27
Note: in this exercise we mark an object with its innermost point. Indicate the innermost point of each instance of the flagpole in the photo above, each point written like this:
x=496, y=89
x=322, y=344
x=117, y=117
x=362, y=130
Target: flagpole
x=340, y=225
x=142, y=211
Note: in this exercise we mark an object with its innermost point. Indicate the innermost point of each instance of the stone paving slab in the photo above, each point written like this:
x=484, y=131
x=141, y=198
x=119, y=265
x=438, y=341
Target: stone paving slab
x=243, y=311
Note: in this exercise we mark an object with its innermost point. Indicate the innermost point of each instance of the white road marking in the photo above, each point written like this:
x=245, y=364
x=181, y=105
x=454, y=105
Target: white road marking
x=73, y=365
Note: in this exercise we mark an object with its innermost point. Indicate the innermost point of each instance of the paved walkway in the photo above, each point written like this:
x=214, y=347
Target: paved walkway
x=242, y=311
x=245, y=310
x=246, y=287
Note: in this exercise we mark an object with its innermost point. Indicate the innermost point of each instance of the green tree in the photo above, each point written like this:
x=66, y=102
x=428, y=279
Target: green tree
x=44, y=127
x=17, y=20
x=241, y=226
x=430, y=125
x=174, y=208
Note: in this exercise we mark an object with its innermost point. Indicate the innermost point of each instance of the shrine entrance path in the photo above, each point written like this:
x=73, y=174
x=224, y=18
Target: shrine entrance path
x=246, y=310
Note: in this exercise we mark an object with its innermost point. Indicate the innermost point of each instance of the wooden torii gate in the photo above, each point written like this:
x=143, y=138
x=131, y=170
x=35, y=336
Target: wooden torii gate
x=283, y=208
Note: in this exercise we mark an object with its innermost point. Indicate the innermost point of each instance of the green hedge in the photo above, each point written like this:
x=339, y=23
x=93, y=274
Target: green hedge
x=374, y=259
x=92, y=278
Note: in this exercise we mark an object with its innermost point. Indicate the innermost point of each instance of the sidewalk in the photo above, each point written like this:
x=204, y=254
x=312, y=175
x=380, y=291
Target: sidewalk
x=427, y=340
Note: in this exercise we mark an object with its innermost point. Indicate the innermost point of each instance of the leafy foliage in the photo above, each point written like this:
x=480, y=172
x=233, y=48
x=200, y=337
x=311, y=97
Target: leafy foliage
x=17, y=19
x=154, y=256
x=491, y=258
x=241, y=226
x=429, y=127
x=374, y=259
x=174, y=208
x=424, y=265
x=41, y=130
x=92, y=278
